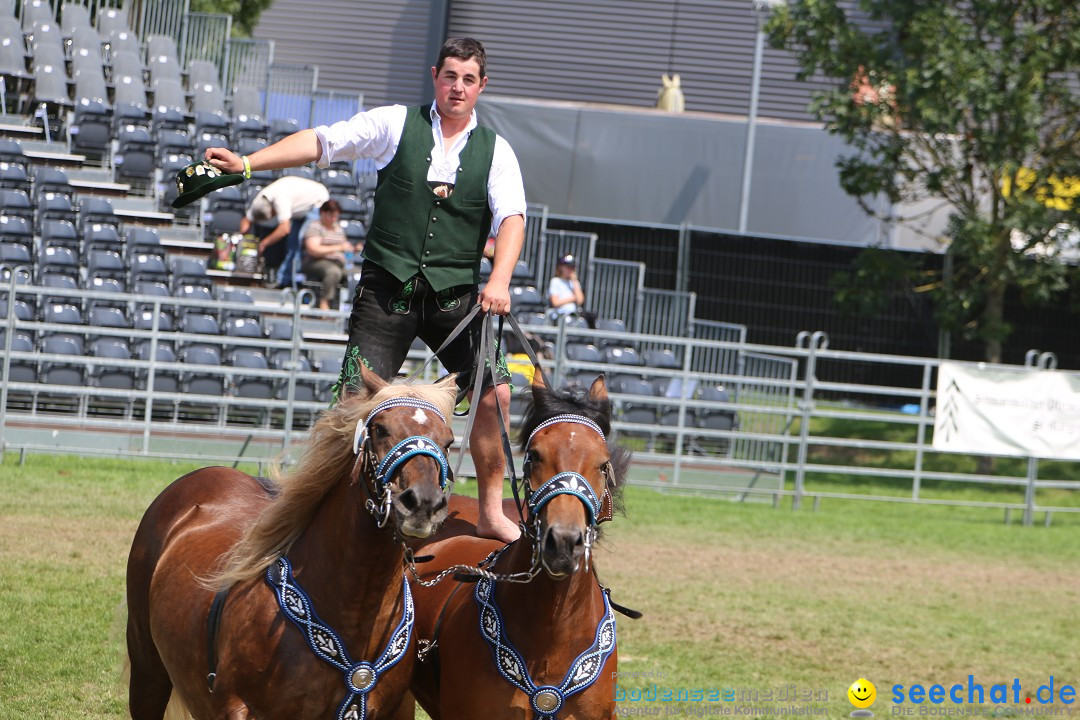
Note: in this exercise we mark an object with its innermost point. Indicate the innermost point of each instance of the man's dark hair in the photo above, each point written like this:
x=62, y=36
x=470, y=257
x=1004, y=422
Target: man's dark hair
x=463, y=48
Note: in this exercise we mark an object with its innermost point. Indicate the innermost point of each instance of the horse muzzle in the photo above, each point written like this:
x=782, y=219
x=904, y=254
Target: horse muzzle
x=561, y=550
x=420, y=509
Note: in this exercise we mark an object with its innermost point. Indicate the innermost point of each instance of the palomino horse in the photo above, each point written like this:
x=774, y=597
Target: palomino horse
x=316, y=621
x=543, y=648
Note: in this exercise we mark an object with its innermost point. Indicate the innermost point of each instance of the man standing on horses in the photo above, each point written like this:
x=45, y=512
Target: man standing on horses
x=445, y=184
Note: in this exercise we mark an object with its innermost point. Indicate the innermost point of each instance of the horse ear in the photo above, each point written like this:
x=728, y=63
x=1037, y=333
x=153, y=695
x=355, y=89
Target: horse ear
x=538, y=380
x=446, y=381
x=372, y=382
x=598, y=390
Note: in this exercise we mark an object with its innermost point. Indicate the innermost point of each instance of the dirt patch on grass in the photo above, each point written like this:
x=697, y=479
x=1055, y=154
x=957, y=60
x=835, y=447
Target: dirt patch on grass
x=96, y=543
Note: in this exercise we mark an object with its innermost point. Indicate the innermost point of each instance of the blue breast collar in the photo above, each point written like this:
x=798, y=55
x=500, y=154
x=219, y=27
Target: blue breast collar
x=546, y=700
x=360, y=677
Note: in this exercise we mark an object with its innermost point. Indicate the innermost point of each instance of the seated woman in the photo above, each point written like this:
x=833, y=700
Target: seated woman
x=325, y=250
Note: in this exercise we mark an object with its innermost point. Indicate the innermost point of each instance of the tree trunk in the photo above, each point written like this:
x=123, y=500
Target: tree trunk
x=992, y=321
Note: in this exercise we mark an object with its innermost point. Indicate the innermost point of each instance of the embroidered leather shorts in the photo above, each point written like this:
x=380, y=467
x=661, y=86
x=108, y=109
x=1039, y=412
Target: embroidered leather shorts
x=387, y=315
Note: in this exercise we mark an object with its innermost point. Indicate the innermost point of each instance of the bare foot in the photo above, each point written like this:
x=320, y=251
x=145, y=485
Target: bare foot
x=502, y=529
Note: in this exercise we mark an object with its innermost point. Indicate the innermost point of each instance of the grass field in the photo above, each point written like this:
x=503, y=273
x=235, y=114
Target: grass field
x=739, y=596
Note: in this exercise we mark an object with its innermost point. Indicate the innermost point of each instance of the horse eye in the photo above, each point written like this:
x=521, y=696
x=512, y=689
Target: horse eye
x=379, y=431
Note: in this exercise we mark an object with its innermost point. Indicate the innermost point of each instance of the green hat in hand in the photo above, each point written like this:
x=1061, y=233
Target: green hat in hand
x=199, y=179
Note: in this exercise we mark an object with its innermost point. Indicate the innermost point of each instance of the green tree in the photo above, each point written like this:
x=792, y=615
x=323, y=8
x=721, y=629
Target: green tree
x=245, y=13
x=973, y=102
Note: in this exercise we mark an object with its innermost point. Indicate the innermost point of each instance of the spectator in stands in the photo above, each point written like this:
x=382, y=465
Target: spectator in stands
x=291, y=202
x=325, y=250
x=564, y=291
x=445, y=184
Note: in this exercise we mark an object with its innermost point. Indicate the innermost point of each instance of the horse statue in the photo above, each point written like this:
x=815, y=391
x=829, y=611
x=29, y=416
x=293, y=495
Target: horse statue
x=535, y=636
x=250, y=600
x=670, y=95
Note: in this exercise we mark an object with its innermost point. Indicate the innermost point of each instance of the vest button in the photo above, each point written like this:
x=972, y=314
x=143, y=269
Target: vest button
x=434, y=219
x=423, y=265
x=428, y=159
x=431, y=235
x=437, y=203
x=427, y=252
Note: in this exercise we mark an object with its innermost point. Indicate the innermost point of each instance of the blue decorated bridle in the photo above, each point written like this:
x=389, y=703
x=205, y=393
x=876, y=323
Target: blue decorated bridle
x=382, y=471
x=597, y=509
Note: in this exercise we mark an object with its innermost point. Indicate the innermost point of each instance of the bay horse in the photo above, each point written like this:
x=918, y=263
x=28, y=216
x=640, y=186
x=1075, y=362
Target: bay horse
x=543, y=648
x=221, y=619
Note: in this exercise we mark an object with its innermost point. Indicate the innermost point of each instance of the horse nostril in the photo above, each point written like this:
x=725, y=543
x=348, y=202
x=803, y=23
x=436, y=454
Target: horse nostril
x=551, y=546
x=408, y=500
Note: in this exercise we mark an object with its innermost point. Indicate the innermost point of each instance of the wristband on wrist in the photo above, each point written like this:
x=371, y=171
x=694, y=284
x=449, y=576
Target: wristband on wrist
x=247, y=167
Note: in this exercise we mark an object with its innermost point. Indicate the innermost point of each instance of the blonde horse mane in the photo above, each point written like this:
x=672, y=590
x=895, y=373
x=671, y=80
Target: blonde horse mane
x=326, y=459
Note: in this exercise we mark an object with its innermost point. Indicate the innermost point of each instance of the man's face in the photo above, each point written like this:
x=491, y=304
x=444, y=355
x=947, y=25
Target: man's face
x=457, y=85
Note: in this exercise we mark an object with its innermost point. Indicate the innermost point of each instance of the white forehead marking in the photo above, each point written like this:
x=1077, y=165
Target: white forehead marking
x=420, y=417
x=573, y=434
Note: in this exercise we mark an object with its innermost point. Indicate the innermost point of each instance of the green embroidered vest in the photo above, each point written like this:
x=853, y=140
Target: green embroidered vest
x=414, y=231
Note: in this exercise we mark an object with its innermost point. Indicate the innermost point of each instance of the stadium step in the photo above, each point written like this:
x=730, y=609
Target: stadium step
x=142, y=210
x=15, y=126
x=54, y=153
x=96, y=182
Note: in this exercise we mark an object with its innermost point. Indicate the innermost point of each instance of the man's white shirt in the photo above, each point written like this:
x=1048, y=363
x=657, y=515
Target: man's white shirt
x=375, y=134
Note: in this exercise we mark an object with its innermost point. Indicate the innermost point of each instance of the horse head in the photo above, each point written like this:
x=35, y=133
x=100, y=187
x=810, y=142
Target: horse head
x=572, y=475
x=401, y=444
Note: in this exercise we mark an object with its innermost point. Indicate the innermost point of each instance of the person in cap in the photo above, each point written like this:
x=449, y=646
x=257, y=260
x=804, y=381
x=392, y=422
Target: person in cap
x=445, y=183
x=290, y=203
x=564, y=290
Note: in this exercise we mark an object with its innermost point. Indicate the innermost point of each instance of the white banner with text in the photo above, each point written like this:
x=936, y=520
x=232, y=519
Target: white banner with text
x=1024, y=413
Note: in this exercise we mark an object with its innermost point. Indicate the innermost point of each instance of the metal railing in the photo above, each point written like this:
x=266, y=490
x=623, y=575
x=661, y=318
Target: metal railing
x=782, y=431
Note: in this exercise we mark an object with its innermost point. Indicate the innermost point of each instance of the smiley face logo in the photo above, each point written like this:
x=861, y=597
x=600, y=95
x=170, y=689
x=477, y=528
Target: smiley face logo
x=862, y=693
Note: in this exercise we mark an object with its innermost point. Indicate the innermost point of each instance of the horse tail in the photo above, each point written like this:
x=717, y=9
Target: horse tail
x=176, y=710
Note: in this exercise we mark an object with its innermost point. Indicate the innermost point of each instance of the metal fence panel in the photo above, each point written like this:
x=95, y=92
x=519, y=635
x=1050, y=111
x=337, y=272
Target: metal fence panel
x=206, y=37
x=556, y=243
x=614, y=288
x=719, y=359
x=160, y=17
x=291, y=89
x=330, y=106
x=248, y=65
x=535, y=225
x=751, y=389
x=665, y=312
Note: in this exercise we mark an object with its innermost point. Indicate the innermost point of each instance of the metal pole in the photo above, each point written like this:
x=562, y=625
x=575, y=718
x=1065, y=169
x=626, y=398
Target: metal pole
x=1029, y=491
x=294, y=362
x=818, y=341
x=680, y=433
x=154, y=330
x=8, y=337
x=560, y=350
x=924, y=410
x=751, y=127
x=682, y=277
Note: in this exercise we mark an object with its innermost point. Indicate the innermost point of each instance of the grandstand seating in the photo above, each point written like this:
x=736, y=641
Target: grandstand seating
x=127, y=109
